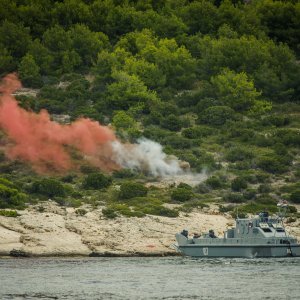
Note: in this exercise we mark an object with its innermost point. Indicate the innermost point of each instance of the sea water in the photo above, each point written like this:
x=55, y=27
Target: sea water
x=149, y=278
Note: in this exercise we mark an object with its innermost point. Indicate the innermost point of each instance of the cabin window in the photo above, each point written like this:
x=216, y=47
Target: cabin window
x=266, y=229
x=279, y=229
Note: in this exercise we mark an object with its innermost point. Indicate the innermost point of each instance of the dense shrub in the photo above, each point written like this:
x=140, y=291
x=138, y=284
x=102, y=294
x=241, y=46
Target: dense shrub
x=265, y=199
x=109, y=213
x=7, y=182
x=48, y=187
x=276, y=120
x=214, y=182
x=132, y=189
x=249, y=194
x=224, y=209
x=217, y=115
x=178, y=142
x=183, y=185
x=202, y=188
x=264, y=188
x=181, y=194
x=96, y=181
x=191, y=204
x=234, y=198
x=242, y=134
x=172, y=123
x=160, y=210
x=9, y=213
x=157, y=134
x=124, y=173
x=197, y=132
x=87, y=169
x=238, y=154
x=292, y=209
x=68, y=178
x=271, y=164
x=289, y=137
x=263, y=141
x=238, y=184
x=11, y=198
x=295, y=196
x=80, y=212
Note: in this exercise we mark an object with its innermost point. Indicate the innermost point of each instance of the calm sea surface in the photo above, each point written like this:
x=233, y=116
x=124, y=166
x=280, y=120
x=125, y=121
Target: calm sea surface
x=149, y=278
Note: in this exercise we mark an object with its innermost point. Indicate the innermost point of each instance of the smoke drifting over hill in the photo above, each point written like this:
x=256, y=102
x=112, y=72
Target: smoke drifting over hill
x=145, y=155
x=46, y=145
x=42, y=142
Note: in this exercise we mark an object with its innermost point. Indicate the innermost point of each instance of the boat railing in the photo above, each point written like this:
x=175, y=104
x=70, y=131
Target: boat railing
x=235, y=241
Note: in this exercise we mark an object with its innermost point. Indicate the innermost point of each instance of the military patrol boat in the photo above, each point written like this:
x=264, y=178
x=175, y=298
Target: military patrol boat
x=260, y=236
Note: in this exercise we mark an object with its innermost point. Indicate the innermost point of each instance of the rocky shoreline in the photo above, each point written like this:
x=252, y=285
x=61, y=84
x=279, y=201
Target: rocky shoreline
x=52, y=230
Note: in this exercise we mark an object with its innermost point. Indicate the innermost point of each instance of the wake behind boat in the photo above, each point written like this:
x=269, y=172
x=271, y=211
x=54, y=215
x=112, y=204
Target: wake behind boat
x=261, y=236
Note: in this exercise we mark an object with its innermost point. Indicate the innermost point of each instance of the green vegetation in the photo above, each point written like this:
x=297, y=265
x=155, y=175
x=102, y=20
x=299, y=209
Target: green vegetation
x=48, y=187
x=181, y=194
x=11, y=197
x=8, y=213
x=131, y=190
x=216, y=83
x=96, y=181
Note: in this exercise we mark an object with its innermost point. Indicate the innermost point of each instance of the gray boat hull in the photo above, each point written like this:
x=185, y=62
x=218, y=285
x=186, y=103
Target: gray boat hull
x=249, y=251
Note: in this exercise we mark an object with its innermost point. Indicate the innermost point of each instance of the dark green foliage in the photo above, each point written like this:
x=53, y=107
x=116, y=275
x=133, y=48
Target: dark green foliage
x=217, y=115
x=214, y=182
x=109, y=213
x=7, y=182
x=292, y=209
x=183, y=185
x=272, y=164
x=96, y=181
x=68, y=178
x=238, y=184
x=172, y=123
x=249, y=194
x=190, y=205
x=224, y=209
x=256, y=207
x=276, y=120
x=242, y=134
x=181, y=194
x=124, y=173
x=131, y=190
x=48, y=187
x=234, y=198
x=295, y=196
x=29, y=72
x=88, y=169
x=289, y=137
x=238, y=214
x=238, y=154
x=7, y=63
x=80, y=212
x=266, y=200
x=157, y=134
x=178, y=142
x=264, y=188
x=161, y=211
x=15, y=38
x=9, y=213
x=290, y=188
x=197, y=132
x=11, y=198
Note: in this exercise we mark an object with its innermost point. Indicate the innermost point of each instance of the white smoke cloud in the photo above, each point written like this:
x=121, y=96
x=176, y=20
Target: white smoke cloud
x=147, y=156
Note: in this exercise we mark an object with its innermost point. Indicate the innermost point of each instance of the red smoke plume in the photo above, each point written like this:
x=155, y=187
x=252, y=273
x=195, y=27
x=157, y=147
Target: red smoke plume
x=44, y=143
